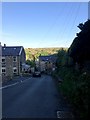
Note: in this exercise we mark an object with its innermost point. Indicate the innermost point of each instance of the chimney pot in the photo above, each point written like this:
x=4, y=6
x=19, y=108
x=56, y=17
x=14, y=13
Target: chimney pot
x=4, y=45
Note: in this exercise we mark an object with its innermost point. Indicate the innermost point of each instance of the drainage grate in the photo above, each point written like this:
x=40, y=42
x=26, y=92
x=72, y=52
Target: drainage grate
x=64, y=114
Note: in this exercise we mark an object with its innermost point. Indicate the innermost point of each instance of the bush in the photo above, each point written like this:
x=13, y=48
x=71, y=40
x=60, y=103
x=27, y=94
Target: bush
x=75, y=88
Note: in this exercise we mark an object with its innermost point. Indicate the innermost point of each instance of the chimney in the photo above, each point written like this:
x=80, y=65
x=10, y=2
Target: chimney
x=4, y=45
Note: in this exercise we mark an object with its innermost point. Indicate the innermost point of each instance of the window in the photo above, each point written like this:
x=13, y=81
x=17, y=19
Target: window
x=14, y=70
x=14, y=64
x=3, y=62
x=3, y=71
x=14, y=59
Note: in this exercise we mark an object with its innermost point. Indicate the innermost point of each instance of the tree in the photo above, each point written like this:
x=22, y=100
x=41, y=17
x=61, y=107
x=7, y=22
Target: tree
x=80, y=47
x=61, y=58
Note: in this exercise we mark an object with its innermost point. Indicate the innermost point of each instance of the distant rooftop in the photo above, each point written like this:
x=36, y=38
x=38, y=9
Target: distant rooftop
x=48, y=58
x=11, y=50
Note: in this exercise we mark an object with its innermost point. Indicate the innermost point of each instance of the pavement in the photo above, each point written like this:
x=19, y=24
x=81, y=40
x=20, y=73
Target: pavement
x=33, y=97
x=14, y=80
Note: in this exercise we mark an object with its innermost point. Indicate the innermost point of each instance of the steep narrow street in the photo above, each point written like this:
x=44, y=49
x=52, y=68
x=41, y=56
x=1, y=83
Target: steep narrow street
x=35, y=97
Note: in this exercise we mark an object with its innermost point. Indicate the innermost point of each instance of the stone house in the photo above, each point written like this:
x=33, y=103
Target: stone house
x=47, y=63
x=12, y=59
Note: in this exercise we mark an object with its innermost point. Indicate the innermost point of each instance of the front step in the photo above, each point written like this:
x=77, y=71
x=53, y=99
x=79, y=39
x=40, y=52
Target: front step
x=64, y=114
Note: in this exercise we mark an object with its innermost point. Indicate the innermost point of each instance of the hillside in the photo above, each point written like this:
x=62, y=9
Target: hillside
x=37, y=51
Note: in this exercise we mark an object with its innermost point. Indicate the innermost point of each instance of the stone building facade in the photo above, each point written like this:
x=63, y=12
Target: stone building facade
x=47, y=63
x=12, y=59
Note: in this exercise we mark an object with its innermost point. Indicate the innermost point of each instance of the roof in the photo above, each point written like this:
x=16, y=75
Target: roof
x=51, y=58
x=11, y=50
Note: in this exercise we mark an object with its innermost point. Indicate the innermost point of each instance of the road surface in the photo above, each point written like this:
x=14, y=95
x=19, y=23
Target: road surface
x=33, y=97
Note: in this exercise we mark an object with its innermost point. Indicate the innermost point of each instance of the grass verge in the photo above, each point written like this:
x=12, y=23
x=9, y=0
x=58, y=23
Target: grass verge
x=75, y=87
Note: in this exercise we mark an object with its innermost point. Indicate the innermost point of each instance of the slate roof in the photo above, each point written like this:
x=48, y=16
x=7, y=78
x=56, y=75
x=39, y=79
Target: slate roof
x=51, y=58
x=11, y=50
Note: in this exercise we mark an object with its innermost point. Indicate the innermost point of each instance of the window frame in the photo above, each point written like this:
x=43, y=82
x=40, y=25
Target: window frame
x=14, y=68
x=4, y=70
x=14, y=58
x=3, y=62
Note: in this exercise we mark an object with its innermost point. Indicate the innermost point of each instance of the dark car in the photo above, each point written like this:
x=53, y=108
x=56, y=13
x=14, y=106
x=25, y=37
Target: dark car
x=37, y=74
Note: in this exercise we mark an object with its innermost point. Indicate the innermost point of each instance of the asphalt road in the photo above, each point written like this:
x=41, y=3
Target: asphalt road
x=31, y=98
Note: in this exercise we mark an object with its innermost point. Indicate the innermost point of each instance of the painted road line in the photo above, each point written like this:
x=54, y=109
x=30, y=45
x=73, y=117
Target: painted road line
x=25, y=80
x=9, y=85
x=13, y=84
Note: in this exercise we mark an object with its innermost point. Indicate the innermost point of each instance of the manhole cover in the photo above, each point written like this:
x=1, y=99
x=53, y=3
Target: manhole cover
x=64, y=114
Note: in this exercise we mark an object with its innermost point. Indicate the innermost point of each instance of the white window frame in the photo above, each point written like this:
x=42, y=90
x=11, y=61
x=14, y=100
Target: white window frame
x=14, y=64
x=4, y=62
x=3, y=58
x=2, y=71
x=14, y=68
x=15, y=57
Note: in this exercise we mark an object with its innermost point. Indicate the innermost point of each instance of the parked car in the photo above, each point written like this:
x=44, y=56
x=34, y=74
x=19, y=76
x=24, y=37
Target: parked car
x=37, y=74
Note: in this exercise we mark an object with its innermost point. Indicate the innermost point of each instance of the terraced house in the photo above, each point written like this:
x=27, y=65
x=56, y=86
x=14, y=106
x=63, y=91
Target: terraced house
x=12, y=59
x=47, y=63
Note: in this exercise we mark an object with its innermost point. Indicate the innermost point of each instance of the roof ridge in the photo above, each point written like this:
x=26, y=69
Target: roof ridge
x=12, y=46
x=11, y=50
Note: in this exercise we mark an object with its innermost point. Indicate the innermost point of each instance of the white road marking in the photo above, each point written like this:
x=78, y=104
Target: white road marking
x=64, y=114
x=9, y=85
x=13, y=84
